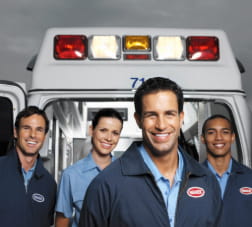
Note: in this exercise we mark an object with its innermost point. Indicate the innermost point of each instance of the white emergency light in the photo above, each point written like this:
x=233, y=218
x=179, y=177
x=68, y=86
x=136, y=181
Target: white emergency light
x=104, y=47
x=169, y=48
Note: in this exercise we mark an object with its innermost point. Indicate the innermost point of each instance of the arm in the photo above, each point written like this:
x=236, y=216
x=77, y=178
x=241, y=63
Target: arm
x=96, y=207
x=64, y=205
x=61, y=221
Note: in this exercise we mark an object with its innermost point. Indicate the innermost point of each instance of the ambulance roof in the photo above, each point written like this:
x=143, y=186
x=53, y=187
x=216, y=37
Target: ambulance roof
x=55, y=71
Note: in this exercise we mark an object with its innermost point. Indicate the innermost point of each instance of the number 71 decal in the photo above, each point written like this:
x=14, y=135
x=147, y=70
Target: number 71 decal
x=136, y=81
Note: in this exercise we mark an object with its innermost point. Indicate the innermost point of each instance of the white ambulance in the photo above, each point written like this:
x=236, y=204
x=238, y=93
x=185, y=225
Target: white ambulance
x=80, y=70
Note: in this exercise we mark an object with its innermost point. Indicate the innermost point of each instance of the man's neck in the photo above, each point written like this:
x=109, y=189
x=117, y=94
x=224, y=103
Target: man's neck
x=27, y=162
x=167, y=165
x=220, y=164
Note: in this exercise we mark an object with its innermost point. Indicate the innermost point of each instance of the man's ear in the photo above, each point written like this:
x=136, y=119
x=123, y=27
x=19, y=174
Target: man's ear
x=15, y=133
x=181, y=117
x=233, y=137
x=138, y=120
x=202, y=139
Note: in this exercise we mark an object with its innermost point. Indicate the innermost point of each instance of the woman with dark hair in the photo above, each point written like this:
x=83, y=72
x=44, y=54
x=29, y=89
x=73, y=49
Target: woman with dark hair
x=105, y=133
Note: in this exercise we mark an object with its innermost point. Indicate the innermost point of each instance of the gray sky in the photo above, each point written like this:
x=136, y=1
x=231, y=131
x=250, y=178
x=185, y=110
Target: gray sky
x=24, y=22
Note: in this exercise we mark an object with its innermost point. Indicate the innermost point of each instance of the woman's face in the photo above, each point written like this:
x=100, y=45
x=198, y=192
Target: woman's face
x=105, y=135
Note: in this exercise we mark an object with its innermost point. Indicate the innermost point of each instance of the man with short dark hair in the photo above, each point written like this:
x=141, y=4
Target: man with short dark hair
x=27, y=191
x=235, y=179
x=154, y=183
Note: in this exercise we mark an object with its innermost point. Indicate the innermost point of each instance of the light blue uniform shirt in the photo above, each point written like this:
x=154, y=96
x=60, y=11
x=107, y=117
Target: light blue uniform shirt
x=221, y=179
x=170, y=194
x=28, y=175
x=73, y=185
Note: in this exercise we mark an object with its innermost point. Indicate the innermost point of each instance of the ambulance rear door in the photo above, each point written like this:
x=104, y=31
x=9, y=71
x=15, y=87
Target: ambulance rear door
x=12, y=100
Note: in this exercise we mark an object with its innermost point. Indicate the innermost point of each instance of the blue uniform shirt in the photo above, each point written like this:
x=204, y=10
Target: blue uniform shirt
x=221, y=179
x=28, y=175
x=73, y=185
x=170, y=194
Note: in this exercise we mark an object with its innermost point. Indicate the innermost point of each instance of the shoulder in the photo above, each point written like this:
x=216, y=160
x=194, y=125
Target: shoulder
x=8, y=160
x=41, y=170
x=79, y=167
x=110, y=176
x=239, y=167
x=3, y=159
x=195, y=167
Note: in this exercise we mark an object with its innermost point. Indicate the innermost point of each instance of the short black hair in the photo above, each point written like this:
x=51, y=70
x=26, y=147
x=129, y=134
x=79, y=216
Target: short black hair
x=106, y=112
x=215, y=116
x=29, y=111
x=156, y=84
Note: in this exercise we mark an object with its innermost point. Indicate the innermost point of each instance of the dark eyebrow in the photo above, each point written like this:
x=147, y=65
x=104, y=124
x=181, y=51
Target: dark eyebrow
x=149, y=113
x=229, y=129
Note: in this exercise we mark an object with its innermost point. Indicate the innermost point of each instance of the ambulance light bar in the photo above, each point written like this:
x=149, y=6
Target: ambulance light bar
x=110, y=47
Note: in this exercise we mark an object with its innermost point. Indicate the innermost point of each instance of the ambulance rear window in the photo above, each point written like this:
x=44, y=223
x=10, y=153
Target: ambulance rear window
x=6, y=122
x=70, y=120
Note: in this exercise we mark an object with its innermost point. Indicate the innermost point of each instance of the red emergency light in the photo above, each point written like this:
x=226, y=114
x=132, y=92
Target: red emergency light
x=137, y=56
x=70, y=47
x=202, y=48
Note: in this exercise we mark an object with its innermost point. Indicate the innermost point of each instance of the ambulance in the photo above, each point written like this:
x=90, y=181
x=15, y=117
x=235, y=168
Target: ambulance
x=81, y=70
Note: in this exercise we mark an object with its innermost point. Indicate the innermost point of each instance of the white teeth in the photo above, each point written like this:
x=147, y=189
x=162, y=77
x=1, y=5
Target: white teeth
x=106, y=145
x=161, y=135
x=219, y=145
x=31, y=142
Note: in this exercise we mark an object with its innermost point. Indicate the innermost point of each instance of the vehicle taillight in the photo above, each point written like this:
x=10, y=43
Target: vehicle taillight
x=71, y=47
x=104, y=47
x=202, y=48
x=168, y=48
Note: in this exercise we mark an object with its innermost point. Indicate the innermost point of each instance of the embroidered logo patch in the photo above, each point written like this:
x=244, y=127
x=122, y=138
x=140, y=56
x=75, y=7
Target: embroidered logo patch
x=246, y=191
x=195, y=192
x=38, y=197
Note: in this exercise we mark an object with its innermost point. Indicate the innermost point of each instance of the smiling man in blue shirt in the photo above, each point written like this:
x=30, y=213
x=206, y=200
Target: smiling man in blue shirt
x=27, y=191
x=154, y=183
x=235, y=179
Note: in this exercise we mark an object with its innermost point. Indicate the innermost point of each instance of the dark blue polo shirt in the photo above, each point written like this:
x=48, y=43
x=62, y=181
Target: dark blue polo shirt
x=21, y=208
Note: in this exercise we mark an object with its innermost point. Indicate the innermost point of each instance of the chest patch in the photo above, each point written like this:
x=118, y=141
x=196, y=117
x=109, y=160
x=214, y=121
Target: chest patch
x=246, y=191
x=38, y=197
x=195, y=192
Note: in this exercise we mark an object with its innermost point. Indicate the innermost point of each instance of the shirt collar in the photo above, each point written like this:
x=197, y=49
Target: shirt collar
x=32, y=169
x=154, y=170
x=89, y=163
x=228, y=171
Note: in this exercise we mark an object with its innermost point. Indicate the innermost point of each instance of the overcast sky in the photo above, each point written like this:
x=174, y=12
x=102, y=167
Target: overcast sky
x=24, y=22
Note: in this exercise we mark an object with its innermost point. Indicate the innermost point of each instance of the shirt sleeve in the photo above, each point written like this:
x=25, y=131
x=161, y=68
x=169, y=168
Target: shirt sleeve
x=65, y=200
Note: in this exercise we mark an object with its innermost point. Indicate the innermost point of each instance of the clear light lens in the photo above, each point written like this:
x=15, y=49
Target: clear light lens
x=104, y=47
x=168, y=48
x=136, y=43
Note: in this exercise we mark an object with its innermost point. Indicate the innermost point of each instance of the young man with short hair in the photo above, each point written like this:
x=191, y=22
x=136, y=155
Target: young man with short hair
x=235, y=179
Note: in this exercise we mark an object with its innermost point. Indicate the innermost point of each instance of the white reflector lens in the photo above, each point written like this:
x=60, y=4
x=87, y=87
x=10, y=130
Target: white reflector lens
x=168, y=48
x=104, y=47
